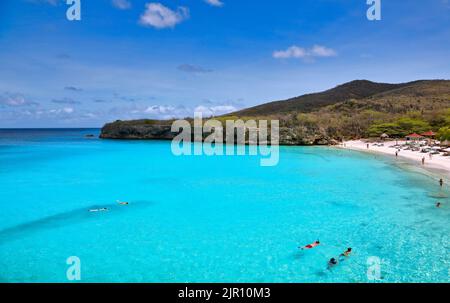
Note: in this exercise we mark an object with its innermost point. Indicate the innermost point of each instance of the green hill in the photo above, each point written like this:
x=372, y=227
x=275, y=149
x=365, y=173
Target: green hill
x=357, y=89
x=362, y=109
x=353, y=110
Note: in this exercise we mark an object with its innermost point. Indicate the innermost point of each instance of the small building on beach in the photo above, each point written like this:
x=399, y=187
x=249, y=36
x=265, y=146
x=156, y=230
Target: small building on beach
x=414, y=137
x=430, y=134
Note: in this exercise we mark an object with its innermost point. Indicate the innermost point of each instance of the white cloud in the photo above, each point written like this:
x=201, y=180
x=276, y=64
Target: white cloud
x=208, y=111
x=170, y=112
x=121, y=4
x=65, y=110
x=304, y=53
x=291, y=52
x=14, y=99
x=89, y=115
x=160, y=110
x=322, y=51
x=159, y=16
x=217, y=3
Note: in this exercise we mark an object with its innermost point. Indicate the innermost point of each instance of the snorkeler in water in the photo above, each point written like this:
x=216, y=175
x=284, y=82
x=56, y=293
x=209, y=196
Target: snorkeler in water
x=347, y=252
x=98, y=210
x=332, y=263
x=311, y=246
x=122, y=203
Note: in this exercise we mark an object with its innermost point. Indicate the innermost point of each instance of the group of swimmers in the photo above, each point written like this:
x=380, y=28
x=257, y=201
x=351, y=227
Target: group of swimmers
x=96, y=210
x=441, y=183
x=333, y=261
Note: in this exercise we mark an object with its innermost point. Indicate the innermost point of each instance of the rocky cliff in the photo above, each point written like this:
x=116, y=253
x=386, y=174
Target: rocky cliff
x=150, y=130
x=142, y=131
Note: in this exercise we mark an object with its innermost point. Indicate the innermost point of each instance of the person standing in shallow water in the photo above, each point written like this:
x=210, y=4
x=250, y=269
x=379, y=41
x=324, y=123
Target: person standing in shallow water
x=441, y=182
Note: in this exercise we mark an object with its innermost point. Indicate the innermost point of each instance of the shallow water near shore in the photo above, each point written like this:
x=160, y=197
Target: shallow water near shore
x=211, y=219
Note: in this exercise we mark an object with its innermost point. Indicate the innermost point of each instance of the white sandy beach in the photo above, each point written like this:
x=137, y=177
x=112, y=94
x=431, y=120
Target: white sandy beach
x=437, y=162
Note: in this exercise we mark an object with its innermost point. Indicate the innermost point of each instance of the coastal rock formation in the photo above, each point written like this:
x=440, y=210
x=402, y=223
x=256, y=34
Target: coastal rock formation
x=139, y=130
x=150, y=130
x=304, y=136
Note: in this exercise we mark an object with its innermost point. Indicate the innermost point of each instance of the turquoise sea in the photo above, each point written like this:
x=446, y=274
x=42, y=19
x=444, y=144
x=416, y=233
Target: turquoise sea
x=212, y=219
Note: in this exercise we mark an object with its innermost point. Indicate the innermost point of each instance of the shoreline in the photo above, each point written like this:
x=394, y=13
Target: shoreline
x=438, y=165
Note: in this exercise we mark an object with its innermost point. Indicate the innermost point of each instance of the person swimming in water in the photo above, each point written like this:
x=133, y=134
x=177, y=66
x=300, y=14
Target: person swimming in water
x=332, y=263
x=311, y=246
x=347, y=253
x=438, y=205
x=122, y=203
x=98, y=210
x=441, y=182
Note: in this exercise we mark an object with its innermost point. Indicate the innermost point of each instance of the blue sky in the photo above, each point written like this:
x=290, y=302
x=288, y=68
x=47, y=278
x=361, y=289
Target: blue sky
x=129, y=59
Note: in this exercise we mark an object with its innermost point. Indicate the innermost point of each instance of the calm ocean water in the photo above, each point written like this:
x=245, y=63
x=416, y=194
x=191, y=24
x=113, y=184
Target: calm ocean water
x=211, y=219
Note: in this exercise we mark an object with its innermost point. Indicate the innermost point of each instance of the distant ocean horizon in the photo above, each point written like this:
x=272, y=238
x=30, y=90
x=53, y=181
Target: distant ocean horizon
x=212, y=219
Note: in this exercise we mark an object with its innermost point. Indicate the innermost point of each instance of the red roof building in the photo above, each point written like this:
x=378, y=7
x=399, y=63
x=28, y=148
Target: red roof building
x=429, y=134
x=414, y=136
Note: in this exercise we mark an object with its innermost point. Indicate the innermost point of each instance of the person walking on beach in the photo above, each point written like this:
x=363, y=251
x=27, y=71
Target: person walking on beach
x=423, y=161
x=396, y=154
x=431, y=156
x=368, y=145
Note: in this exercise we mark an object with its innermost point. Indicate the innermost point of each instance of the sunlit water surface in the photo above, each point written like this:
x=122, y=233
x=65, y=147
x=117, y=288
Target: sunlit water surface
x=211, y=219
